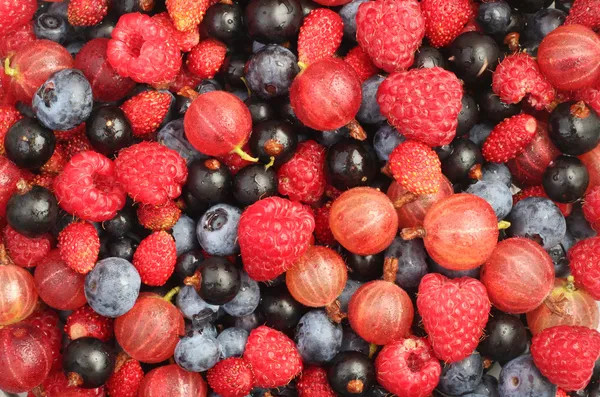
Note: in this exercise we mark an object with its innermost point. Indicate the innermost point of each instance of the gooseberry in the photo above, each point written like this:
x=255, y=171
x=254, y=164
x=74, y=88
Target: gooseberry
x=173, y=381
x=58, y=285
x=18, y=296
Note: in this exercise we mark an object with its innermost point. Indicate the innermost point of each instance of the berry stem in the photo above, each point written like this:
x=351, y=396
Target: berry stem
x=390, y=268
x=503, y=225
x=188, y=92
x=475, y=172
x=245, y=82
x=512, y=41
x=580, y=110
x=355, y=386
x=334, y=312
x=411, y=233
x=570, y=284
x=406, y=198
x=194, y=281
x=356, y=131
x=245, y=156
x=302, y=66
x=171, y=294
x=13, y=72
x=270, y=163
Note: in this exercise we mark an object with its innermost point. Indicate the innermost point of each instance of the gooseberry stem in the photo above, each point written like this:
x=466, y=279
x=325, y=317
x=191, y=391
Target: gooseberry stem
x=270, y=163
x=302, y=66
x=8, y=70
x=475, y=172
x=245, y=156
x=406, y=198
x=411, y=233
x=390, y=268
x=194, y=280
x=356, y=131
x=334, y=312
x=503, y=225
x=570, y=283
x=171, y=294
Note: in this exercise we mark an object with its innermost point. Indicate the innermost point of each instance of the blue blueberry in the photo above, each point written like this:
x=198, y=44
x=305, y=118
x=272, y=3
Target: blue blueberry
x=64, y=101
x=184, y=233
x=348, y=14
x=241, y=94
x=74, y=46
x=462, y=376
x=479, y=133
x=208, y=85
x=172, y=136
x=246, y=300
x=271, y=70
x=217, y=230
x=558, y=253
x=539, y=219
x=487, y=388
x=257, y=46
x=385, y=141
x=497, y=194
x=318, y=339
x=578, y=226
x=197, y=352
x=434, y=267
x=349, y=289
x=412, y=261
x=50, y=27
x=232, y=342
x=190, y=303
x=520, y=377
x=351, y=342
x=494, y=172
x=206, y=329
x=112, y=287
x=369, y=112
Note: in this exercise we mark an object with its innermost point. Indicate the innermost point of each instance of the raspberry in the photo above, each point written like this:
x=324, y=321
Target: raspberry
x=416, y=167
x=132, y=51
x=445, y=19
x=146, y=111
x=126, y=379
x=390, y=31
x=591, y=207
x=47, y=321
x=155, y=258
x=156, y=218
x=361, y=63
x=584, y=260
x=185, y=40
x=519, y=75
x=151, y=173
x=591, y=96
x=231, y=377
x=509, y=138
x=184, y=79
x=187, y=14
x=85, y=322
x=586, y=13
x=16, y=39
x=423, y=104
x=320, y=35
x=322, y=229
x=88, y=188
x=87, y=12
x=273, y=233
x=313, y=383
x=26, y=251
x=10, y=175
x=8, y=116
x=538, y=191
x=205, y=59
x=79, y=246
x=15, y=13
x=302, y=178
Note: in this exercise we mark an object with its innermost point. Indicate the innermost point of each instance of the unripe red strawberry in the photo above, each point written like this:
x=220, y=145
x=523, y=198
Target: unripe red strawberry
x=87, y=12
x=313, y=383
x=161, y=217
x=126, y=378
x=231, y=377
x=509, y=138
x=155, y=258
x=416, y=167
x=187, y=14
x=79, y=245
x=205, y=59
x=146, y=111
x=361, y=63
x=320, y=35
x=85, y=322
x=445, y=19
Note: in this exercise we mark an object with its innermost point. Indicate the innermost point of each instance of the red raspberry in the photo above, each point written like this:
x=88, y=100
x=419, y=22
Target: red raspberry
x=10, y=175
x=8, y=116
x=151, y=173
x=156, y=218
x=408, y=367
x=187, y=14
x=185, y=40
x=586, y=13
x=133, y=49
x=313, y=383
x=538, y=191
x=57, y=385
x=566, y=355
x=584, y=260
x=517, y=76
x=79, y=246
x=302, y=178
x=273, y=357
x=320, y=35
x=416, y=167
x=25, y=251
x=509, y=138
x=444, y=304
x=591, y=96
x=88, y=188
x=273, y=233
x=445, y=19
x=231, y=377
x=390, y=31
x=322, y=230
x=85, y=322
x=423, y=104
x=591, y=207
x=87, y=12
x=126, y=379
x=14, y=14
x=47, y=321
x=361, y=63
x=16, y=39
x=205, y=59
x=155, y=258
x=57, y=162
x=146, y=111
x=561, y=393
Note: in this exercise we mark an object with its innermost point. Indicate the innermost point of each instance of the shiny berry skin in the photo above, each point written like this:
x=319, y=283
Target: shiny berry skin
x=320, y=35
x=206, y=58
x=574, y=128
x=18, y=294
x=280, y=310
x=59, y=286
x=351, y=374
x=272, y=138
x=146, y=111
x=168, y=380
x=474, y=57
x=463, y=161
x=209, y=180
x=85, y=322
x=223, y=22
x=505, y=338
x=302, y=178
x=89, y=362
x=566, y=179
x=584, y=266
x=32, y=213
x=28, y=144
x=108, y=130
x=253, y=183
x=351, y=163
x=591, y=207
x=270, y=21
x=219, y=281
x=361, y=63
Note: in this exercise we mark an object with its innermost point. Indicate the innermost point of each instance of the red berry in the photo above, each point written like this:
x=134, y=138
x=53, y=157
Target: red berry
x=591, y=207
x=132, y=50
x=185, y=40
x=566, y=355
x=361, y=63
x=584, y=260
x=320, y=35
x=416, y=167
x=26, y=251
x=77, y=144
x=126, y=379
x=313, y=383
x=146, y=111
x=57, y=161
x=16, y=39
x=88, y=187
x=155, y=258
x=273, y=357
x=205, y=59
x=422, y=103
x=57, y=385
x=170, y=380
x=586, y=13
x=8, y=116
x=509, y=138
x=151, y=173
x=79, y=246
x=408, y=367
x=390, y=31
x=184, y=79
x=454, y=314
x=591, y=96
x=59, y=286
x=67, y=135
x=187, y=14
x=14, y=14
x=231, y=377
x=302, y=178
x=156, y=218
x=46, y=320
x=87, y=12
x=445, y=19
x=322, y=230
x=538, y=191
x=85, y=322
x=18, y=293
x=10, y=175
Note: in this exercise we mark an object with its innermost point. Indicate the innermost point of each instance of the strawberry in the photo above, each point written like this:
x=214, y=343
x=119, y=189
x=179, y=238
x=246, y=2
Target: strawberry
x=56, y=163
x=76, y=144
x=273, y=356
x=85, y=322
x=454, y=314
x=509, y=138
x=445, y=19
x=361, y=63
x=187, y=14
x=313, y=383
x=184, y=40
x=586, y=13
x=566, y=355
x=87, y=12
x=320, y=35
x=584, y=260
x=8, y=116
x=205, y=59
x=14, y=14
x=79, y=245
x=231, y=377
x=44, y=179
x=162, y=217
x=155, y=258
x=416, y=167
x=65, y=136
x=146, y=111
x=126, y=378
x=322, y=230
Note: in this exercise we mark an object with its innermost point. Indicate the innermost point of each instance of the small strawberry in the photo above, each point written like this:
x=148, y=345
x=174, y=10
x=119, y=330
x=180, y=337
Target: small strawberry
x=161, y=217
x=416, y=167
x=79, y=246
x=313, y=383
x=85, y=322
x=16, y=39
x=26, y=251
x=65, y=136
x=146, y=111
x=187, y=14
x=454, y=313
x=57, y=161
x=231, y=377
x=155, y=258
x=273, y=356
x=320, y=35
x=586, y=13
x=561, y=393
x=584, y=260
x=8, y=116
x=591, y=207
x=566, y=355
x=322, y=230
x=205, y=59
x=44, y=179
x=126, y=378
x=538, y=191
x=408, y=367
x=76, y=144
x=445, y=19
x=87, y=12
x=302, y=178
x=509, y=138
x=361, y=63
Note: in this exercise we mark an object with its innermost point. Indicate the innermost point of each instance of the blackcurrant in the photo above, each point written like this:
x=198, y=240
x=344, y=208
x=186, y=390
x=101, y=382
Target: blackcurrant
x=574, y=128
x=566, y=179
x=88, y=362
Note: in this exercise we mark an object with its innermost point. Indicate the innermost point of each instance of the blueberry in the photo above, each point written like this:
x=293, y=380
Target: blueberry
x=233, y=342
x=351, y=342
x=520, y=377
x=479, y=133
x=217, y=230
x=64, y=101
x=247, y=298
x=50, y=27
x=318, y=339
x=494, y=172
x=539, y=219
x=385, y=141
x=28, y=144
x=369, y=112
x=271, y=70
x=487, y=388
x=434, y=267
x=412, y=264
x=349, y=289
x=32, y=213
x=542, y=23
x=348, y=14
x=558, y=253
x=494, y=18
x=197, y=352
x=184, y=233
x=208, y=85
x=577, y=224
x=190, y=303
x=462, y=376
x=172, y=136
x=250, y=321
x=112, y=287
x=497, y=194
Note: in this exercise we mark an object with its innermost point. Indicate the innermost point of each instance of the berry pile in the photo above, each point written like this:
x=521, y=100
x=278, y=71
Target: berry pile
x=300, y=198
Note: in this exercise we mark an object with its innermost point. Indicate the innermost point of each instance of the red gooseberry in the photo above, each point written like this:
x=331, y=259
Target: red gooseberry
x=591, y=160
x=173, y=381
x=59, y=286
x=18, y=296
